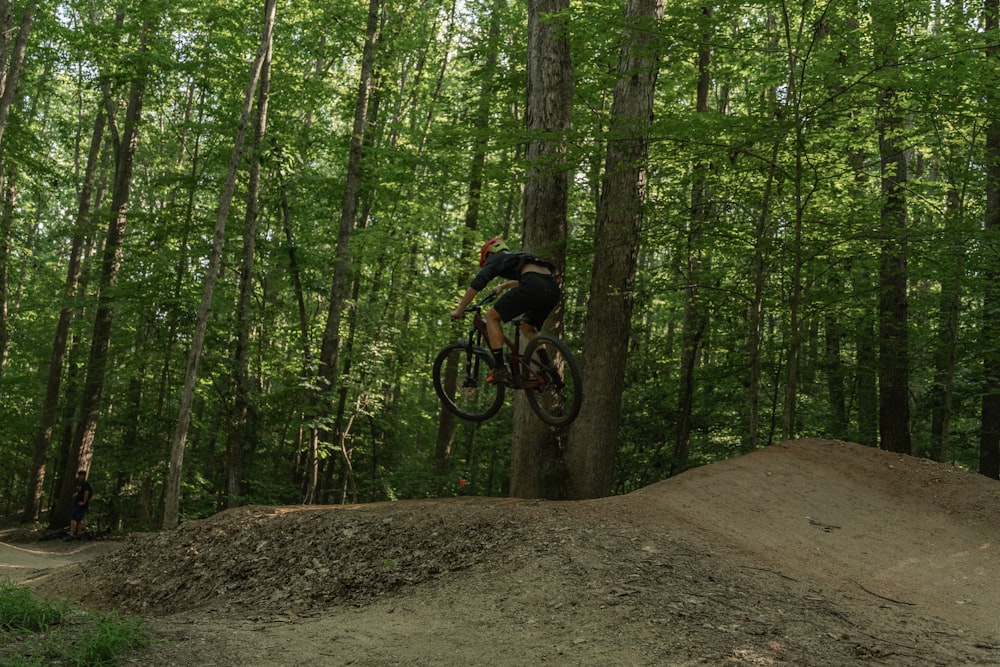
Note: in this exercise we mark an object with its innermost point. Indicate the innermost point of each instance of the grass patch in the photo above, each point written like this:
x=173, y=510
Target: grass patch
x=38, y=632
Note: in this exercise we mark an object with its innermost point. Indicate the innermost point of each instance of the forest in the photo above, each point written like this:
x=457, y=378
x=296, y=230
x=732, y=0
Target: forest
x=231, y=233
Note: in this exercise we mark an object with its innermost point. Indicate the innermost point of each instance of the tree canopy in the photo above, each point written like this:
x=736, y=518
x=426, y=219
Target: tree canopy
x=814, y=244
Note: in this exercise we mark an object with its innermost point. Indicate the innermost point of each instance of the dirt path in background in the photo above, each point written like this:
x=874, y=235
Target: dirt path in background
x=806, y=553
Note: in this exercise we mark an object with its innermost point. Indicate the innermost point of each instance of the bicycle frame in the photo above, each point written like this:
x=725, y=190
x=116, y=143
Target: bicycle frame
x=524, y=377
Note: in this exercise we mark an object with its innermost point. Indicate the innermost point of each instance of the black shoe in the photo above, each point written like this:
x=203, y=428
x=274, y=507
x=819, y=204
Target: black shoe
x=500, y=375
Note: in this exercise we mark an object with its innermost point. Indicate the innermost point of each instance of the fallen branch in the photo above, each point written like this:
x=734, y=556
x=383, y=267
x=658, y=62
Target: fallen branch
x=879, y=595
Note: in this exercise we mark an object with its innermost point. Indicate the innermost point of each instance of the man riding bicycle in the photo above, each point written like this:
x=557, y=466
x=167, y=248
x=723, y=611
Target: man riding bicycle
x=533, y=291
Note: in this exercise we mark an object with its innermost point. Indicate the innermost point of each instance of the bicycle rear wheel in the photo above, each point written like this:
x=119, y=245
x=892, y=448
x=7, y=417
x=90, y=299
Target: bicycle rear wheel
x=460, y=374
x=552, y=380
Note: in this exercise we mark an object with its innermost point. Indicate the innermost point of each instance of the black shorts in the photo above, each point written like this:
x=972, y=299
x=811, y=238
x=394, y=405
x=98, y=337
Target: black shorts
x=536, y=295
x=79, y=511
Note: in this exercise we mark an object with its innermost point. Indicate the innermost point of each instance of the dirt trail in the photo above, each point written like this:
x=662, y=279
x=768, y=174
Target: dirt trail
x=806, y=553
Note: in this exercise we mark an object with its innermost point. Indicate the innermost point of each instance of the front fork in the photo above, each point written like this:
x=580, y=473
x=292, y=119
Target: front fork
x=472, y=357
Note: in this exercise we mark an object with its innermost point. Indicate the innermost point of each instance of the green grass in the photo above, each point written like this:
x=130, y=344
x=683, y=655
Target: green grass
x=39, y=632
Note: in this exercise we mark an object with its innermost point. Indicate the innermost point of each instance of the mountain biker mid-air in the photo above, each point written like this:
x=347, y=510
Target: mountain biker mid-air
x=533, y=291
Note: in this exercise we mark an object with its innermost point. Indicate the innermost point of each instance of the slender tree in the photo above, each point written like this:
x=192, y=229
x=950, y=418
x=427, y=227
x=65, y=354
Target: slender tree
x=11, y=73
x=126, y=141
x=243, y=427
x=329, y=358
x=695, y=314
x=171, y=512
x=50, y=402
x=481, y=127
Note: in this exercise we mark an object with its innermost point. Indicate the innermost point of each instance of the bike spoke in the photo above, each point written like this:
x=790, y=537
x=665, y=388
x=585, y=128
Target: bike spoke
x=553, y=382
x=460, y=382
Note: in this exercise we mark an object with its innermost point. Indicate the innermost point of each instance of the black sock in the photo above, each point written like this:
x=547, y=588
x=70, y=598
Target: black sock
x=498, y=358
x=543, y=356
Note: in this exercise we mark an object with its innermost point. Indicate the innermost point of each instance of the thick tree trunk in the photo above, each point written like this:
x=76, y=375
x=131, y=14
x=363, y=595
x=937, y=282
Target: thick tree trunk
x=607, y=327
x=537, y=466
x=171, y=510
x=893, y=370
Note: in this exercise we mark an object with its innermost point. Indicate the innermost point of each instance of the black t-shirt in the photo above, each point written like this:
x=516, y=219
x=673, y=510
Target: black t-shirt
x=505, y=265
x=82, y=494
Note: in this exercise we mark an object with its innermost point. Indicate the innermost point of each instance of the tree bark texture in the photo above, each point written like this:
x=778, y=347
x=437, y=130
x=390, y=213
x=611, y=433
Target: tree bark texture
x=893, y=362
x=537, y=466
x=607, y=326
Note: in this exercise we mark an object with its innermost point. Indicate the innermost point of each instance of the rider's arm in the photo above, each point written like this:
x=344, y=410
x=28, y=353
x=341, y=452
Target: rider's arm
x=459, y=312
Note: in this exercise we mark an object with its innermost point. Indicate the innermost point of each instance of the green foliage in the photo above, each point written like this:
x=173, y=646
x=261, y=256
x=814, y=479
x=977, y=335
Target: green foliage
x=20, y=611
x=789, y=144
x=37, y=632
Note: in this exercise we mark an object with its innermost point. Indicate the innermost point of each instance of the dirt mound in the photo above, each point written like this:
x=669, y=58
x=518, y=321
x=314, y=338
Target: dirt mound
x=804, y=553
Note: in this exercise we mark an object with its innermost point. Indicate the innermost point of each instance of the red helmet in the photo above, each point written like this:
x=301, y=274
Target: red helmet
x=495, y=244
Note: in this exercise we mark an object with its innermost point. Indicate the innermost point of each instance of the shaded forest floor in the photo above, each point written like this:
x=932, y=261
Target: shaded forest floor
x=806, y=553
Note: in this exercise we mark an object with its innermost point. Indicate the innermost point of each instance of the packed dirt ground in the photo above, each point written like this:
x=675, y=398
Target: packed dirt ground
x=807, y=553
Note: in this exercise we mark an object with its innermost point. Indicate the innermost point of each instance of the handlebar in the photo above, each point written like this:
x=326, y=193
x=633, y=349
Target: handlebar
x=476, y=307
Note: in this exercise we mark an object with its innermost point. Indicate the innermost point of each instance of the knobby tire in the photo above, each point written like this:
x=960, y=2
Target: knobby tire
x=556, y=400
x=460, y=382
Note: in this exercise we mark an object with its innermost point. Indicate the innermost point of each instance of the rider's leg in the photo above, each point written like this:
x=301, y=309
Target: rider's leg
x=529, y=331
x=494, y=331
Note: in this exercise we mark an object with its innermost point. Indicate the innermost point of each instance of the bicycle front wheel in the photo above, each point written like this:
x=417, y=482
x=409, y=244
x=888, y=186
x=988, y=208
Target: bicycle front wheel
x=553, y=382
x=460, y=374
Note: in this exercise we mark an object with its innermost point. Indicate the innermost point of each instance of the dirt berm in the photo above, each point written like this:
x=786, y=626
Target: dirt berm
x=811, y=552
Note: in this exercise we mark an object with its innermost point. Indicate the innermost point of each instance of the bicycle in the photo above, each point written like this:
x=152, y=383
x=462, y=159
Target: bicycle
x=546, y=371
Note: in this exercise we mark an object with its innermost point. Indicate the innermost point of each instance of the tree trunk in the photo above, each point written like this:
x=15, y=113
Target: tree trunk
x=537, y=466
x=755, y=323
x=81, y=449
x=594, y=434
x=50, y=402
x=943, y=388
x=893, y=370
x=447, y=422
x=12, y=73
x=6, y=225
x=695, y=317
x=989, y=438
x=243, y=428
x=342, y=269
x=171, y=511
